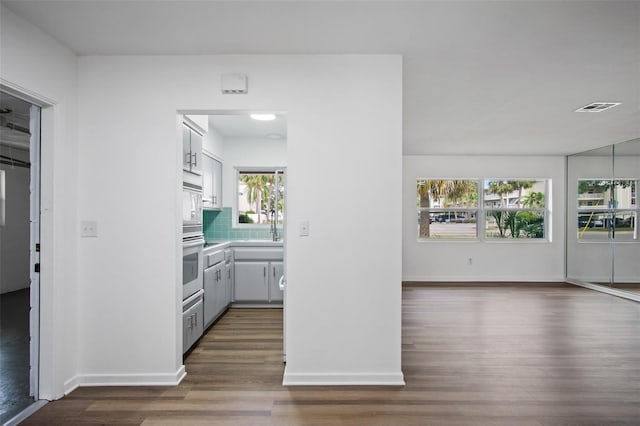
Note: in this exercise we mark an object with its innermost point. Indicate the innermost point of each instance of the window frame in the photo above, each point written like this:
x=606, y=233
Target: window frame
x=440, y=210
x=236, y=187
x=481, y=211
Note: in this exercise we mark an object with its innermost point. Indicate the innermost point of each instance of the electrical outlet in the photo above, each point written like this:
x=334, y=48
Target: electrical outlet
x=88, y=229
x=469, y=261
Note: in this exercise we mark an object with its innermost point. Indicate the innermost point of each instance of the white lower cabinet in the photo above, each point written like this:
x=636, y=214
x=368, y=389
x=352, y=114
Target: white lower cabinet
x=215, y=292
x=251, y=282
x=192, y=323
x=229, y=286
x=276, y=271
x=257, y=281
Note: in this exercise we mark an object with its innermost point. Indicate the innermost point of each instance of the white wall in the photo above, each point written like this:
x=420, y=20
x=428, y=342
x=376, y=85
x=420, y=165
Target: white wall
x=344, y=124
x=14, y=235
x=36, y=64
x=213, y=142
x=248, y=152
x=591, y=261
x=495, y=260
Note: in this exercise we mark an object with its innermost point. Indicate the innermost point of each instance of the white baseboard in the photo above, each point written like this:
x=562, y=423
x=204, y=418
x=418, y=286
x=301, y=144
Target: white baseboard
x=160, y=379
x=342, y=379
x=484, y=278
x=71, y=384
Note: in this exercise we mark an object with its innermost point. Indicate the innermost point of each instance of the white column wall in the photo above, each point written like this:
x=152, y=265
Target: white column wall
x=344, y=128
x=492, y=260
x=35, y=64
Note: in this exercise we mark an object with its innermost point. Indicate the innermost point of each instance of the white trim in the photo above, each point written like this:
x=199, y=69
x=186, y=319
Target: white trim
x=342, y=379
x=25, y=94
x=608, y=290
x=159, y=379
x=484, y=278
x=71, y=385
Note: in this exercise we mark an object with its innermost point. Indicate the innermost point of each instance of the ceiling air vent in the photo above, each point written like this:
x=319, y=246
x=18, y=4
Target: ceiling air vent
x=597, y=106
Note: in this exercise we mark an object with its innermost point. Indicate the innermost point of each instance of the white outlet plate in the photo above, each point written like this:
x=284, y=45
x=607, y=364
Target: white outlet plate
x=88, y=229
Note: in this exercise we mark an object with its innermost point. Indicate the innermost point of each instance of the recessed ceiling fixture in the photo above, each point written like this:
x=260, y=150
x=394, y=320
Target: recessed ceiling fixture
x=597, y=106
x=263, y=117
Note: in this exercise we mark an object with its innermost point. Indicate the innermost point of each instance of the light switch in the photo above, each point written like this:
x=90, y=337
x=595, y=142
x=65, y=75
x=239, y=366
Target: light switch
x=88, y=229
x=303, y=228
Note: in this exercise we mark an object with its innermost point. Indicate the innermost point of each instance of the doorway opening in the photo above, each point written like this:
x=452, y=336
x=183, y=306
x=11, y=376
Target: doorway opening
x=243, y=214
x=19, y=254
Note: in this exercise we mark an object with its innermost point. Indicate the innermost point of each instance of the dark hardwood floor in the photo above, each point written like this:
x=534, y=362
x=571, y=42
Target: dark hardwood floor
x=543, y=355
x=14, y=353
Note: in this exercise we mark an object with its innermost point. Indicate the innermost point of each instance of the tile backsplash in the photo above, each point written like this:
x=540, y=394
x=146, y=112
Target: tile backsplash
x=218, y=225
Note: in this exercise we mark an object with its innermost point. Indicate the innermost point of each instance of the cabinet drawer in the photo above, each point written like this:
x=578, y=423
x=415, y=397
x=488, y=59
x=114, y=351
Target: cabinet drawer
x=257, y=253
x=213, y=258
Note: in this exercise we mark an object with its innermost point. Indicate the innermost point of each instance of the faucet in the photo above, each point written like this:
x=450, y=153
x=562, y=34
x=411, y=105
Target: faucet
x=274, y=212
x=274, y=224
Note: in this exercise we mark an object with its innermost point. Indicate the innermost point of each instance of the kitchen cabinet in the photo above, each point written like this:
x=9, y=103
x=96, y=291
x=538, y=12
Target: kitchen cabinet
x=229, y=288
x=214, y=292
x=191, y=150
x=276, y=271
x=251, y=282
x=212, y=183
x=192, y=322
x=257, y=280
x=228, y=255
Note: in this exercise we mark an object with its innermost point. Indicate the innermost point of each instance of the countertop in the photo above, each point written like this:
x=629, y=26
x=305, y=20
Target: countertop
x=222, y=244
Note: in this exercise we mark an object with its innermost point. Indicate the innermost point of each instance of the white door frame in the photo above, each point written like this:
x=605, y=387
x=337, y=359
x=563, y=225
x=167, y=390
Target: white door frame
x=34, y=250
x=43, y=107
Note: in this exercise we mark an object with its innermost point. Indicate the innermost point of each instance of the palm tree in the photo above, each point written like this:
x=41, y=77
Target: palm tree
x=534, y=199
x=427, y=190
x=255, y=190
x=501, y=187
x=521, y=185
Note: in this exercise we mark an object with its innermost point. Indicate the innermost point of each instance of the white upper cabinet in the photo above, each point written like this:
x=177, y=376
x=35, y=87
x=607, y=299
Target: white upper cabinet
x=212, y=183
x=191, y=150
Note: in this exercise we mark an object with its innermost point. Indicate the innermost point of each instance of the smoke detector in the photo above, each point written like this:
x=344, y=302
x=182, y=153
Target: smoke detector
x=597, y=106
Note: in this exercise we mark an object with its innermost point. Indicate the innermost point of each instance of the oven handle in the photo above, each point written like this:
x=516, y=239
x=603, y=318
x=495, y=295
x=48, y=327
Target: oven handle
x=189, y=244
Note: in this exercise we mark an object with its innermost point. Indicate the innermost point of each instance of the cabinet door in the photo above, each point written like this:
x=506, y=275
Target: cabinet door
x=276, y=270
x=251, y=281
x=207, y=181
x=216, y=191
x=229, y=269
x=209, y=295
x=186, y=148
x=196, y=153
x=221, y=290
x=192, y=326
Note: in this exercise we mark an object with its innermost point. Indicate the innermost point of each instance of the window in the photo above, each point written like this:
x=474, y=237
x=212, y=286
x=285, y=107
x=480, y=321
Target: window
x=260, y=200
x=447, y=208
x=515, y=208
x=607, y=209
x=490, y=209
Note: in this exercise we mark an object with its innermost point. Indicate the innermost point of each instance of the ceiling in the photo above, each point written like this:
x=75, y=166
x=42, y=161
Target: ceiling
x=480, y=77
x=243, y=126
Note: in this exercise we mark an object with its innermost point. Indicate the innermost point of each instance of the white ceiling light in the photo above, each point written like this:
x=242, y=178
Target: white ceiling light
x=597, y=106
x=263, y=117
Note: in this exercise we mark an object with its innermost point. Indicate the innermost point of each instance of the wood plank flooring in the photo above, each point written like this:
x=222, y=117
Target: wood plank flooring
x=543, y=355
